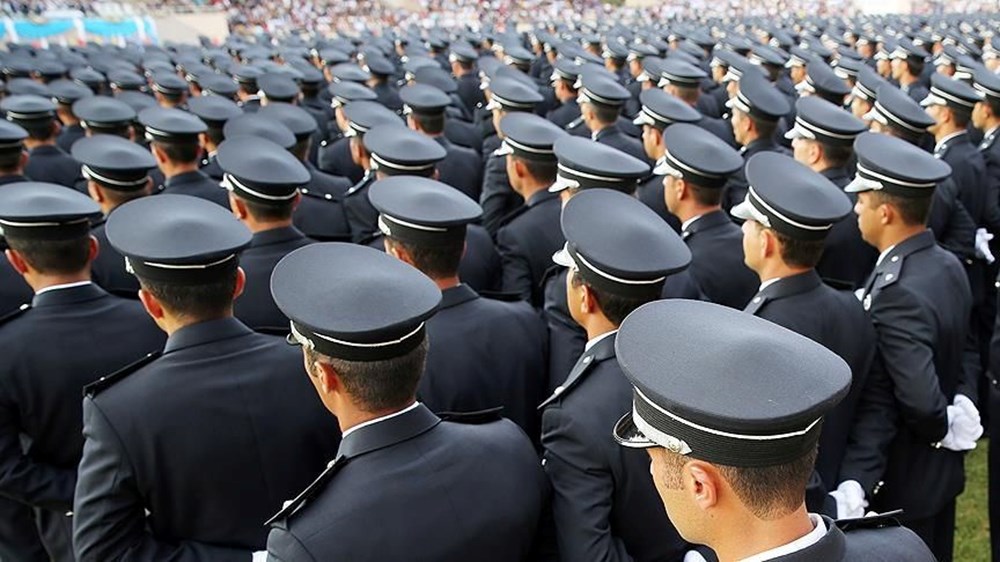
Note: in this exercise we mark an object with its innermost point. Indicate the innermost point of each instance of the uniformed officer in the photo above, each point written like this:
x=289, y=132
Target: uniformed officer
x=565, y=73
x=264, y=183
x=508, y=95
x=170, y=90
x=390, y=150
x=424, y=107
x=334, y=155
x=47, y=228
x=921, y=332
x=451, y=486
x=275, y=87
x=46, y=161
x=187, y=452
x=601, y=99
x=382, y=70
x=907, y=62
x=65, y=93
x=659, y=111
x=619, y=253
x=13, y=290
x=463, y=66
x=173, y=137
x=823, y=82
x=483, y=353
x=683, y=81
x=732, y=436
x=116, y=171
x=696, y=166
x=823, y=138
x=756, y=108
x=101, y=115
x=215, y=111
x=362, y=116
x=865, y=92
x=789, y=212
x=529, y=236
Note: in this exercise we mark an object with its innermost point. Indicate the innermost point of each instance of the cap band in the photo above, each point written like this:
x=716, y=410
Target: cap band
x=89, y=173
x=353, y=350
x=232, y=183
x=383, y=163
x=186, y=274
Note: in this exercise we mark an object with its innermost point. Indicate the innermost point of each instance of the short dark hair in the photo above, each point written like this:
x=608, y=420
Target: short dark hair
x=913, y=210
x=765, y=128
x=301, y=147
x=432, y=124
x=42, y=130
x=606, y=114
x=688, y=94
x=378, y=386
x=269, y=212
x=117, y=198
x=615, y=307
x=437, y=261
x=58, y=257
x=199, y=301
x=960, y=116
x=915, y=67
x=705, y=196
x=122, y=131
x=994, y=105
x=10, y=161
x=541, y=170
x=215, y=135
x=180, y=152
x=836, y=155
x=909, y=136
x=797, y=252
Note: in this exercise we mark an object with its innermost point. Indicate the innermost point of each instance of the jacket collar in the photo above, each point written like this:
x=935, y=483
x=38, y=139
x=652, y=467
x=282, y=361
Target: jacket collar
x=836, y=174
x=909, y=246
x=708, y=221
x=758, y=145
x=69, y=295
x=609, y=131
x=833, y=546
x=187, y=177
x=206, y=332
x=459, y=294
x=388, y=432
x=785, y=287
x=602, y=350
x=276, y=236
x=46, y=150
x=541, y=196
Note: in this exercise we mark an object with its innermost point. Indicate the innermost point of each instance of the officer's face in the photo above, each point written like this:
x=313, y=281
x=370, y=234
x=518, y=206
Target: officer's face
x=867, y=210
x=898, y=67
x=992, y=63
x=717, y=73
x=651, y=141
x=802, y=150
x=666, y=468
x=751, y=243
x=497, y=116
x=979, y=116
x=860, y=107
x=732, y=87
x=738, y=120
x=939, y=114
x=946, y=69
x=670, y=192
x=797, y=74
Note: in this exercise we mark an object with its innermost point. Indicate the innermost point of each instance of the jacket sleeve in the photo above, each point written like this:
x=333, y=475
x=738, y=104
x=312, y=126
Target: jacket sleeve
x=872, y=431
x=21, y=477
x=953, y=226
x=516, y=269
x=109, y=516
x=496, y=194
x=284, y=546
x=582, y=492
x=906, y=346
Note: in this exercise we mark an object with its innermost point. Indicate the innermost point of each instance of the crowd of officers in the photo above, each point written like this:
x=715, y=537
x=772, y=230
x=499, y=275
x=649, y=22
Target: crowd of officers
x=426, y=295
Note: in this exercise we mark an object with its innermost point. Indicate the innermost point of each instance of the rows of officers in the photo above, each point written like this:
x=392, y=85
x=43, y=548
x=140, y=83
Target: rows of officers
x=686, y=291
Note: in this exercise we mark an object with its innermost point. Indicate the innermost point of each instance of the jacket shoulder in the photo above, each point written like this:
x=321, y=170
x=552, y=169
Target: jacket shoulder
x=10, y=316
x=107, y=381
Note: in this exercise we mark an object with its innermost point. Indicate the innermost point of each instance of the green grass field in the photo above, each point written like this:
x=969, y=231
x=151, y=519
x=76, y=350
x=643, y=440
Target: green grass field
x=972, y=533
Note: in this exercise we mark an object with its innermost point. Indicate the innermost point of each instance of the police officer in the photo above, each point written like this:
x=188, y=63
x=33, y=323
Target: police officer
x=48, y=230
x=601, y=99
x=821, y=81
x=101, y=115
x=65, y=93
x=696, y=166
x=756, y=109
x=117, y=171
x=13, y=290
x=483, y=353
x=424, y=107
x=264, y=182
x=46, y=161
x=907, y=62
x=683, y=81
x=823, y=138
x=565, y=73
x=170, y=90
x=334, y=156
x=789, y=212
x=746, y=409
x=173, y=137
x=921, y=332
x=454, y=485
x=463, y=67
x=186, y=452
x=619, y=253
x=215, y=111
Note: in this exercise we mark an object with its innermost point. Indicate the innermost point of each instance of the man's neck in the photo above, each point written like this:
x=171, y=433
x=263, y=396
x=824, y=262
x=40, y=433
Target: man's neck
x=352, y=416
x=777, y=269
x=597, y=326
x=946, y=130
x=906, y=79
x=990, y=125
x=171, y=324
x=658, y=152
x=897, y=235
x=447, y=282
x=530, y=187
x=821, y=166
x=256, y=226
x=32, y=144
x=751, y=138
x=174, y=169
x=598, y=127
x=39, y=282
x=686, y=212
x=757, y=535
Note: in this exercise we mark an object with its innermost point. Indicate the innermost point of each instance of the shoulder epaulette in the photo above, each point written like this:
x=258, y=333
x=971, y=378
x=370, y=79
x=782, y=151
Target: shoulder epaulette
x=15, y=313
x=474, y=418
x=878, y=521
x=317, y=195
x=888, y=273
x=293, y=505
x=96, y=387
x=501, y=296
x=281, y=331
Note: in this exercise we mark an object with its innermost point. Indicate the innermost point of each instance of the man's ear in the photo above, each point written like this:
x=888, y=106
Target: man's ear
x=703, y=483
x=152, y=306
x=241, y=283
x=17, y=261
x=158, y=153
x=683, y=191
x=329, y=380
x=95, y=191
x=94, y=250
x=238, y=207
x=815, y=152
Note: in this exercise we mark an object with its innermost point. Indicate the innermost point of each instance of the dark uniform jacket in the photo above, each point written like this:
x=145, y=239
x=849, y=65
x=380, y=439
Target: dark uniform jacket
x=604, y=503
x=968, y=171
x=717, y=266
x=485, y=353
x=108, y=268
x=14, y=291
x=564, y=114
x=469, y=92
x=615, y=138
x=952, y=225
x=526, y=242
x=847, y=259
x=447, y=492
x=69, y=135
x=210, y=166
x=461, y=168
x=650, y=192
x=463, y=133
x=916, y=91
x=68, y=338
x=835, y=319
x=51, y=164
x=255, y=307
x=919, y=301
x=321, y=214
x=497, y=198
x=878, y=540
x=736, y=188
x=362, y=216
x=187, y=454
x=198, y=184
x=335, y=158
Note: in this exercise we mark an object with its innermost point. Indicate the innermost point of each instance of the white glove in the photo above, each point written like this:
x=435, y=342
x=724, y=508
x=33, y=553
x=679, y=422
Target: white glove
x=850, y=498
x=694, y=556
x=964, y=427
x=983, y=238
x=259, y=556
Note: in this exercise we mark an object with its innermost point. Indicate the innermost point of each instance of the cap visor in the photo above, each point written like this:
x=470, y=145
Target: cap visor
x=563, y=258
x=562, y=183
x=730, y=77
x=663, y=83
x=742, y=211
x=504, y=150
x=663, y=168
x=859, y=185
x=643, y=119
x=628, y=435
x=493, y=105
x=795, y=133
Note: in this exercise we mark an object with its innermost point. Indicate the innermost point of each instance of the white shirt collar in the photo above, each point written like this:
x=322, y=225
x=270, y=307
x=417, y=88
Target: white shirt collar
x=62, y=286
x=768, y=283
x=801, y=543
x=593, y=342
x=351, y=430
x=686, y=224
x=947, y=138
x=991, y=131
x=884, y=254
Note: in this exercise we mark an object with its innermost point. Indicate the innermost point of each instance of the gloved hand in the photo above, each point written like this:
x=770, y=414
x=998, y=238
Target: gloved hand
x=964, y=427
x=850, y=498
x=259, y=556
x=689, y=556
x=983, y=238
